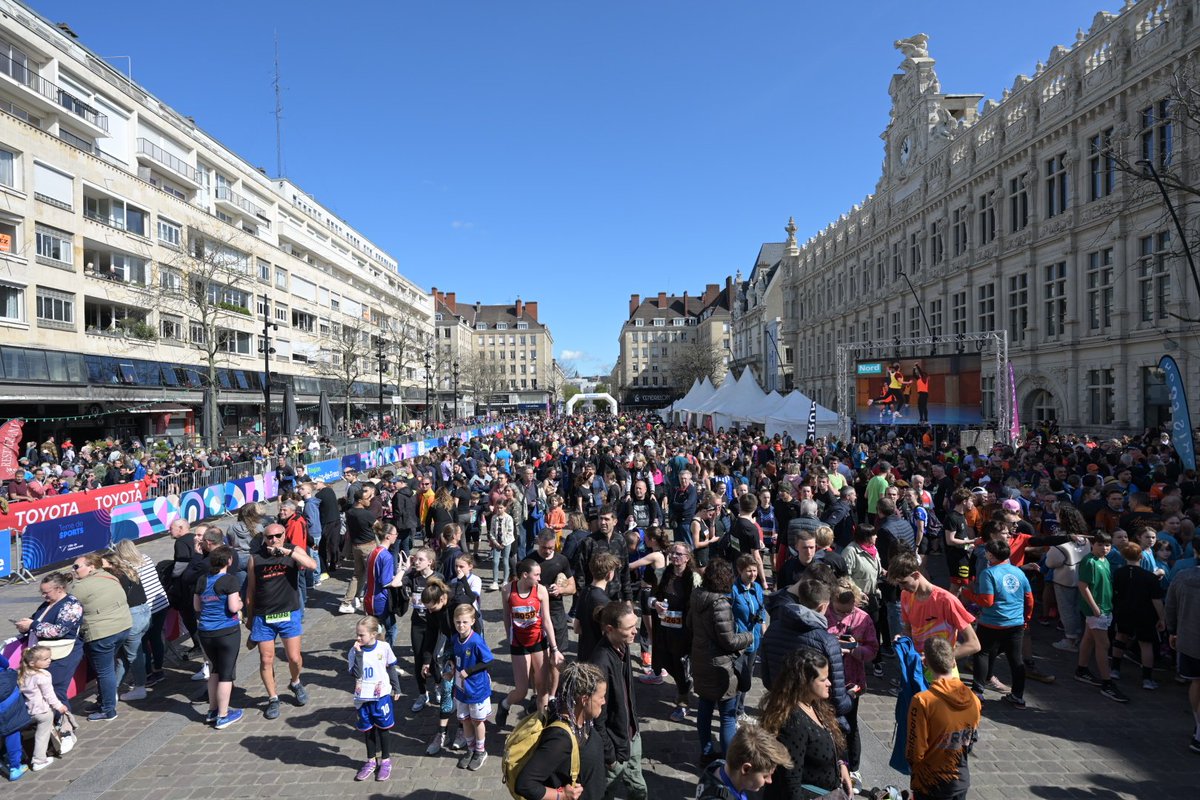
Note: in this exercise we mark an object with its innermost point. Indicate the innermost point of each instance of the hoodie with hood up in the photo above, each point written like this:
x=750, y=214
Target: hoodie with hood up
x=794, y=627
x=943, y=724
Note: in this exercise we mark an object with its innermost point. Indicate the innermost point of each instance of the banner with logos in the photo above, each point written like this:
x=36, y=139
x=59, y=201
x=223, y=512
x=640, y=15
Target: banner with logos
x=21, y=515
x=46, y=543
x=1181, y=417
x=10, y=448
x=5, y=553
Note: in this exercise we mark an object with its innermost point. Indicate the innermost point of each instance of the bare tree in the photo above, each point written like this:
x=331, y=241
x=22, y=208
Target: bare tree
x=348, y=353
x=484, y=376
x=693, y=361
x=208, y=284
x=405, y=339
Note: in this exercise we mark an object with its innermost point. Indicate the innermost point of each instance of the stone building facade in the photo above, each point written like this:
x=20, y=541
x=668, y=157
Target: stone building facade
x=1028, y=214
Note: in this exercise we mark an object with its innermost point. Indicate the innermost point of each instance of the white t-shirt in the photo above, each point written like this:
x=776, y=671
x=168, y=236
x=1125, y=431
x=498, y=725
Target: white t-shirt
x=370, y=669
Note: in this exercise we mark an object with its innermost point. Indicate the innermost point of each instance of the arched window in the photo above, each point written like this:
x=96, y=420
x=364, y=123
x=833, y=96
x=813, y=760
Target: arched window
x=1042, y=407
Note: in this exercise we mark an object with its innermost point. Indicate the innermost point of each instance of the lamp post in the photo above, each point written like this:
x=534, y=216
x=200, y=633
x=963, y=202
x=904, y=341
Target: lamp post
x=383, y=365
x=428, y=383
x=454, y=372
x=267, y=351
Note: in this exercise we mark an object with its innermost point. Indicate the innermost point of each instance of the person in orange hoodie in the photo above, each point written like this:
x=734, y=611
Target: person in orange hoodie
x=943, y=725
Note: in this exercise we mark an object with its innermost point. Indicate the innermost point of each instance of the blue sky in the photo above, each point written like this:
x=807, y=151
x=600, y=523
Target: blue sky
x=571, y=153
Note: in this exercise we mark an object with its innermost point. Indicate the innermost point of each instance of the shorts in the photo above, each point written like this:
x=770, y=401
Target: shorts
x=540, y=646
x=268, y=627
x=562, y=635
x=375, y=714
x=958, y=562
x=1141, y=629
x=476, y=711
x=1189, y=667
x=1100, y=623
x=221, y=648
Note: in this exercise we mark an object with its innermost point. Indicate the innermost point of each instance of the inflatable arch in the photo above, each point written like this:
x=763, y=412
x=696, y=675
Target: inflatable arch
x=602, y=397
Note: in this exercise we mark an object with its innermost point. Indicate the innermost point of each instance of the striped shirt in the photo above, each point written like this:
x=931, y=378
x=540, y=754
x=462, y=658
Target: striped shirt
x=156, y=596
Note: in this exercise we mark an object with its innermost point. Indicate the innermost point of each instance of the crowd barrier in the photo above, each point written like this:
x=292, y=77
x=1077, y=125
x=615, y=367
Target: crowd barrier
x=57, y=529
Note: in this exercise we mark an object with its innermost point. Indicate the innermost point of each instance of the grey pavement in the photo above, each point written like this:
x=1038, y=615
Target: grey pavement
x=1069, y=743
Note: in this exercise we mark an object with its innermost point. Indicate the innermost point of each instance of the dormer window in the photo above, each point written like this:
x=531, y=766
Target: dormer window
x=437, y=317
x=501, y=326
x=481, y=326
x=678, y=322
x=522, y=326
x=659, y=322
x=639, y=323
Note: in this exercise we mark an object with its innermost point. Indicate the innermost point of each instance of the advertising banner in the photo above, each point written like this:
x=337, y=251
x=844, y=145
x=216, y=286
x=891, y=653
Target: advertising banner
x=21, y=515
x=1181, y=417
x=330, y=470
x=10, y=448
x=147, y=518
x=937, y=390
x=46, y=543
x=5, y=553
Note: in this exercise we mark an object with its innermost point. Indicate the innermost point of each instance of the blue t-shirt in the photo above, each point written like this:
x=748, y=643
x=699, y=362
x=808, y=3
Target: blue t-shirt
x=1008, y=586
x=503, y=456
x=214, y=591
x=478, y=687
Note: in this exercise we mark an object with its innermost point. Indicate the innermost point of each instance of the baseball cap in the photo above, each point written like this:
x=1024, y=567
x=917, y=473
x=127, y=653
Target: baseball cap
x=1011, y=505
x=979, y=490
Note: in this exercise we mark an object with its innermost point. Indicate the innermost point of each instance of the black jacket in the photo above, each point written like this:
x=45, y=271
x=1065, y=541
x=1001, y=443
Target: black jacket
x=404, y=509
x=716, y=644
x=617, y=723
x=618, y=587
x=330, y=513
x=842, y=518
x=794, y=627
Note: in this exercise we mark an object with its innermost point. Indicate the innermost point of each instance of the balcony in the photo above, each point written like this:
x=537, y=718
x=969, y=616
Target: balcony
x=232, y=201
x=151, y=154
x=49, y=96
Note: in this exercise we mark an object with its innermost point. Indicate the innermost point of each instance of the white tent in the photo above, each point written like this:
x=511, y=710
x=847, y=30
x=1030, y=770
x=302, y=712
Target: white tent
x=699, y=394
x=735, y=400
x=769, y=405
x=792, y=418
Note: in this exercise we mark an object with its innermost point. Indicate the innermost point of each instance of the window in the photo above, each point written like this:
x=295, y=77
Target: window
x=914, y=252
x=937, y=244
x=117, y=266
x=53, y=187
x=1056, y=185
x=659, y=322
x=1100, y=289
x=897, y=321
x=678, y=322
x=170, y=280
x=170, y=233
x=897, y=260
x=880, y=269
x=233, y=342
x=960, y=230
x=282, y=316
x=197, y=333
x=522, y=326
x=304, y=322
x=1154, y=277
x=987, y=217
x=9, y=168
x=958, y=312
x=1018, y=204
x=1054, y=293
x=55, y=309
x=1158, y=134
x=116, y=213
x=55, y=248
x=281, y=278
x=264, y=271
x=935, y=316
x=1101, y=396
x=170, y=328
x=9, y=233
x=481, y=326
x=914, y=322
x=986, y=306
x=1101, y=165
x=639, y=323
x=1018, y=306
x=501, y=326
x=879, y=323
x=987, y=386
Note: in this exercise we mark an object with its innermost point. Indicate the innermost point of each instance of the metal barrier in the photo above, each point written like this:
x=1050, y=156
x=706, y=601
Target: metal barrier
x=191, y=481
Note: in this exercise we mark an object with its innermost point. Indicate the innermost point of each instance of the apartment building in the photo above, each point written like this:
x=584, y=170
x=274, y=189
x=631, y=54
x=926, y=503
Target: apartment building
x=756, y=316
x=664, y=331
x=137, y=252
x=503, y=356
x=1032, y=214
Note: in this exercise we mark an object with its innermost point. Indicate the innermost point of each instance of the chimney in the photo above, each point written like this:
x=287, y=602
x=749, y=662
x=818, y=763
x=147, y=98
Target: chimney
x=685, y=302
x=450, y=302
x=710, y=293
x=662, y=300
x=635, y=300
x=477, y=306
x=729, y=291
x=520, y=308
x=531, y=310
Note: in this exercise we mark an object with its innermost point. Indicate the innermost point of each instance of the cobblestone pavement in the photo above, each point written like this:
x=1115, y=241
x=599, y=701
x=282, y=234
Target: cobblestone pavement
x=1069, y=743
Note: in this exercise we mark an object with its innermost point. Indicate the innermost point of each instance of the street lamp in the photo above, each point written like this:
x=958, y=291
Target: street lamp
x=383, y=365
x=454, y=372
x=267, y=351
x=428, y=383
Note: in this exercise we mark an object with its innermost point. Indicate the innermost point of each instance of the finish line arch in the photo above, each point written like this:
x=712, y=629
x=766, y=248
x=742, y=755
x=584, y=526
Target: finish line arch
x=603, y=397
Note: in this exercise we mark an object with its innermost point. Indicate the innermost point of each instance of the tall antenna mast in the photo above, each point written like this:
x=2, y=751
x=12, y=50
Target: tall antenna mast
x=278, y=115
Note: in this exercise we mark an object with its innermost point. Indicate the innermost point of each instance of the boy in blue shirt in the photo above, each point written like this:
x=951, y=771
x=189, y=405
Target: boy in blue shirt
x=1006, y=602
x=472, y=686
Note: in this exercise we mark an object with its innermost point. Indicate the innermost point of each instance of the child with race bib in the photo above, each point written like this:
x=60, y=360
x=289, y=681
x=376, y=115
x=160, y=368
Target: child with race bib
x=371, y=661
x=472, y=685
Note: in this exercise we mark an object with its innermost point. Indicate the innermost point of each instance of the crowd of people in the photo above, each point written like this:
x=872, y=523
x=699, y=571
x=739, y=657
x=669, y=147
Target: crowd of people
x=629, y=554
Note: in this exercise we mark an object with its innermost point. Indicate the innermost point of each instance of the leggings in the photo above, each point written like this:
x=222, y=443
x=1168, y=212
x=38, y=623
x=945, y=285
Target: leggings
x=670, y=650
x=378, y=741
x=853, y=741
x=422, y=650
x=153, y=648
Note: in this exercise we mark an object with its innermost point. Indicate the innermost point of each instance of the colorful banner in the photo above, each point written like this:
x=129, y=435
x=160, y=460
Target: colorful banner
x=32, y=512
x=10, y=448
x=5, y=553
x=1181, y=417
x=1014, y=431
x=147, y=518
x=327, y=471
x=56, y=540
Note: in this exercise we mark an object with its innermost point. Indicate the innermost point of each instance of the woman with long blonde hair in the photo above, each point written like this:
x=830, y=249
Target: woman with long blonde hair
x=146, y=661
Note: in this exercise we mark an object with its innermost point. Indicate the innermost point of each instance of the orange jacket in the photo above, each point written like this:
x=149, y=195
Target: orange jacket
x=943, y=724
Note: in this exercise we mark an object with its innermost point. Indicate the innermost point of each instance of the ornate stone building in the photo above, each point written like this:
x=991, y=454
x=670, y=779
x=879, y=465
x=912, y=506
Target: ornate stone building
x=756, y=316
x=1030, y=215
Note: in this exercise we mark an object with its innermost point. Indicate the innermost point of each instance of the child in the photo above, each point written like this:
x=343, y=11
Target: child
x=501, y=537
x=1095, y=603
x=420, y=574
x=472, y=685
x=1138, y=614
x=467, y=587
x=436, y=598
x=370, y=664
x=556, y=519
x=40, y=700
x=859, y=643
x=753, y=755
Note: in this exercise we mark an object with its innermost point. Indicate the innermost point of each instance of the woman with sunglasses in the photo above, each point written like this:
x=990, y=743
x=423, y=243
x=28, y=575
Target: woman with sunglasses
x=55, y=624
x=669, y=605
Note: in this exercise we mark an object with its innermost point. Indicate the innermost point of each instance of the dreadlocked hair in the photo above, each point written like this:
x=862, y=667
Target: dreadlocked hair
x=577, y=680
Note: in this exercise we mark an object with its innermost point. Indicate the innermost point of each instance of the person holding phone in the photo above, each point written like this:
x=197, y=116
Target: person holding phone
x=859, y=643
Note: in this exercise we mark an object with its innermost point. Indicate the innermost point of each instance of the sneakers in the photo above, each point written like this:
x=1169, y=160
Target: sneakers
x=385, y=770
x=358, y=605
x=477, y=759
x=856, y=779
x=1035, y=674
x=300, y=692
x=1084, y=675
x=651, y=679
x=996, y=685
x=877, y=669
x=202, y=673
x=102, y=716
x=324, y=576
x=435, y=744
x=347, y=608
x=39, y=765
x=679, y=714
x=419, y=703
x=1113, y=693
x=136, y=693
x=155, y=677
x=465, y=759
x=1115, y=674
x=460, y=741
x=1066, y=645
x=272, y=711
x=365, y=771
x=211, y=717
x=234, y=715
x=1150, y=684
x=1013, y=700
x=647, y=659
x=15, y=773
x=493, y=586
x=66, y=744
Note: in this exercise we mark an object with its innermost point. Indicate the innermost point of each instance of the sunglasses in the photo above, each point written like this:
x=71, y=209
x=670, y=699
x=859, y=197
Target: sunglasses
x=274, y=536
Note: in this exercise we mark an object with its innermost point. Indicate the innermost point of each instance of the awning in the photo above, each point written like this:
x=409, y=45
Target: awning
x=160, y=408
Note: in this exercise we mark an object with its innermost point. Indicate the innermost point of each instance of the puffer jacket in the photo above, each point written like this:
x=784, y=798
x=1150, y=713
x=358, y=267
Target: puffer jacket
x=715, y=645
x=792, y=628
x=14, y=715
x=404, y=509
x=748, y=610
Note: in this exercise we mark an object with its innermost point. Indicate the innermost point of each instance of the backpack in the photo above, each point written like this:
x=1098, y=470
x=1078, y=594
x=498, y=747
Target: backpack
x=521, y=744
